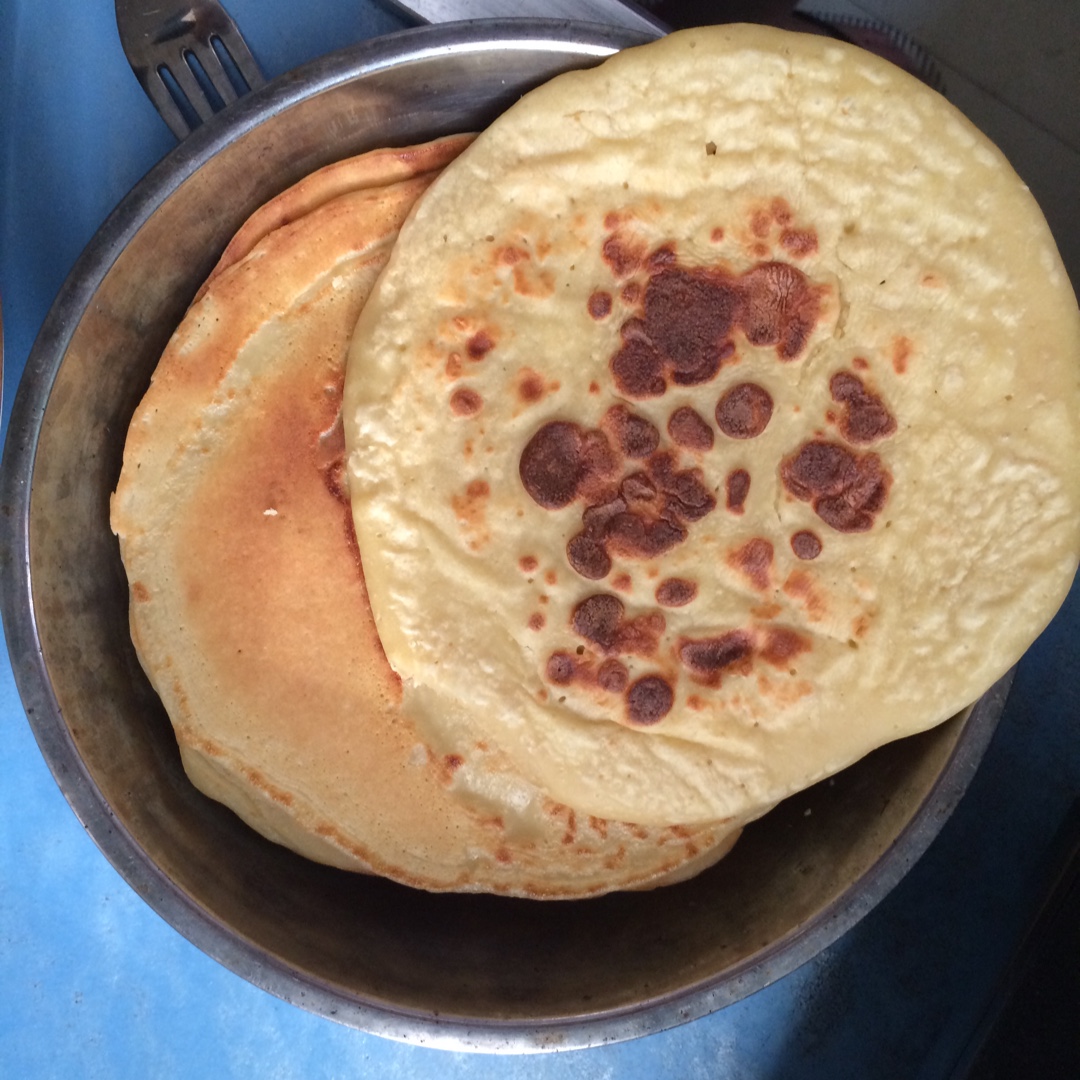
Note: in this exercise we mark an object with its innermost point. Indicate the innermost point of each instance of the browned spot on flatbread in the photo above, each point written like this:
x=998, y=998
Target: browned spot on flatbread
x=531, y=282
x=781, y=210
x=690, y=314
x=597, y=619
x=139, y=592
x=479, y=345
x=845, y=488
x=649, y=700
x=635, y=436
x=754, y=561
x=803, y=589
x=613, y=862
x=760, y=223
x=866, y=418
x=744, y=411
x=641, y=516
x=782, y=644
x=623, y=254
x=612, y=676
x=530, y=386
x=470, y=507
x=690, y=430
x=708, y=659
x=561, y=668
x=553, y=463
x=901, y=354
x=451, y=763
x=799, y=242
x=737, y=487
x=601, y=620
x=783, y=693
x=806, y=544
x=600, y=304
x=510, y=255
x=587, y=555
x=465, y=401
x=676, y=592
x=661, y=258
x=779, y=307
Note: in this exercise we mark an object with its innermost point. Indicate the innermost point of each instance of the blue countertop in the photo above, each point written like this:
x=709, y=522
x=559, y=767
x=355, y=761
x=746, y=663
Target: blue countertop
x=94, y=983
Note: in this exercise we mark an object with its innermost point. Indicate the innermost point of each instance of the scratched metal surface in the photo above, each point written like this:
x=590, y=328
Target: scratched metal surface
x=93, y=983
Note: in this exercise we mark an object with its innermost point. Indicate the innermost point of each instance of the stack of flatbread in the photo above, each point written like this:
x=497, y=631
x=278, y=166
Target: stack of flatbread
x=526, y=514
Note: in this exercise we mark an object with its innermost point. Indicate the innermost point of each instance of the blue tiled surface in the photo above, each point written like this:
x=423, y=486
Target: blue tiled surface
x=94, y=984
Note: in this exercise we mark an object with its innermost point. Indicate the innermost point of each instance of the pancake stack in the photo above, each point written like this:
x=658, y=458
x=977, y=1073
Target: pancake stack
x=249, y=610
x=526, y=514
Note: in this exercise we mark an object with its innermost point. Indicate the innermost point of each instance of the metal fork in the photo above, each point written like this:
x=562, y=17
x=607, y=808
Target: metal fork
x=189, y=57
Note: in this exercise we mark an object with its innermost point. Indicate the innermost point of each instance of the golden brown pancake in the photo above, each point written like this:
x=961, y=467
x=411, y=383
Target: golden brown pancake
x=248, y=602
x=735, y=434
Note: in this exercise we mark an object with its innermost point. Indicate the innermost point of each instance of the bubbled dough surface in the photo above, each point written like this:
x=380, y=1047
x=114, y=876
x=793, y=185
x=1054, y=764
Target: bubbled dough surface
x=941, y=275
x=248, y=607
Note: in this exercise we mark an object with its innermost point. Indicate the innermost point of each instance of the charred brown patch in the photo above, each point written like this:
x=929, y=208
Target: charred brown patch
x=600, y=304
x=649, y=700
x=479, y=345
x=754, y=561
x=744, y=411
x=530, y=386
x=866, y=418
x=676, y=592
x=689, y=429
x=737, y=488
x=846, y=489
x=465, y=401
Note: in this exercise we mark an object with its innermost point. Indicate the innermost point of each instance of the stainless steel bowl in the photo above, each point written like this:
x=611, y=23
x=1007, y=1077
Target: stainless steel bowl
x=472, y=972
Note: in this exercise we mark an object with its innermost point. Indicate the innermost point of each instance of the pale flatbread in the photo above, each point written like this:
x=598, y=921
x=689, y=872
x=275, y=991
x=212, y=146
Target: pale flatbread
x=715, y=421
x=248, y=604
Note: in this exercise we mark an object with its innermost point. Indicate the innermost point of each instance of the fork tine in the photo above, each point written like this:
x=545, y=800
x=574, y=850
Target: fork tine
x=158, y=92
x=236, y=48
x=210, y=62
x=189, y=57
x=189, y=85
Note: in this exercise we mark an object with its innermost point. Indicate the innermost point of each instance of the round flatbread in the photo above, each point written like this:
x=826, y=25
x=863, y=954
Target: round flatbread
x=248, y=603
x=715, y=421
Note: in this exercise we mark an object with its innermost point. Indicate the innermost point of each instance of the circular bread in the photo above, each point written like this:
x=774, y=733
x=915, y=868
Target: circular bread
x=248, y=604
x=715, y=421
